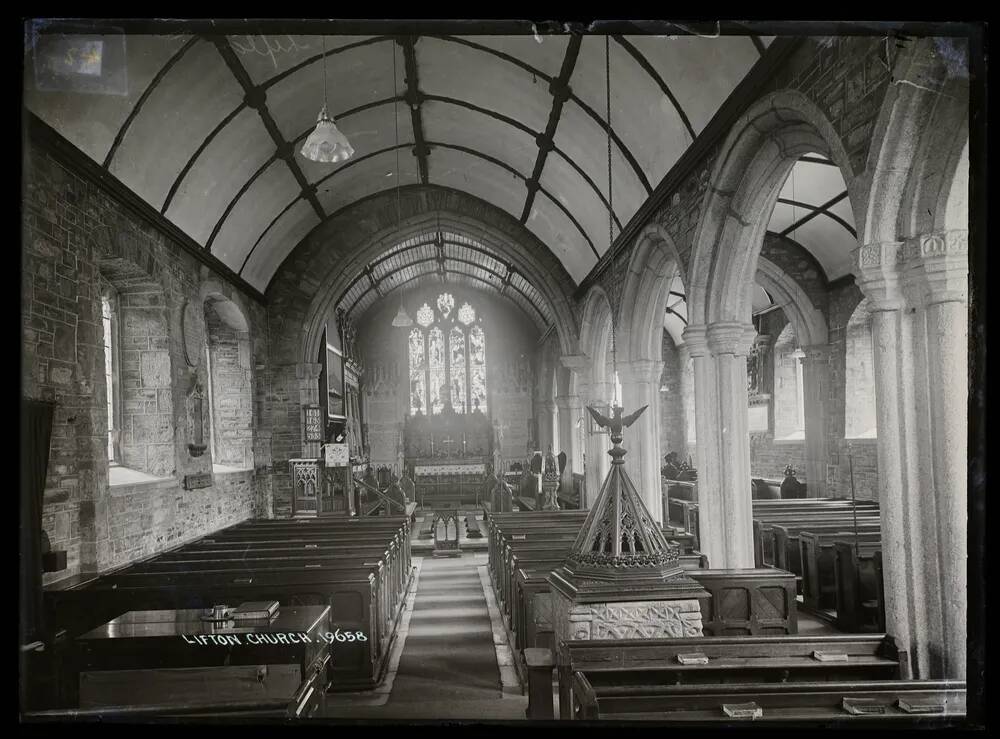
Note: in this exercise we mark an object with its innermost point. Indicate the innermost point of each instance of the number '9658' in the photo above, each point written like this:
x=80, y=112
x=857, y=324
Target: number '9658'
x=343, y=636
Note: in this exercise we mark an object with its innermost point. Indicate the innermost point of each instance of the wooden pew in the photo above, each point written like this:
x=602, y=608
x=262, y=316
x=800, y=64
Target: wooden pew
x=730, y=660
x=363, y=584
x=819, y=583
x=785, y=535
x=860, y=598
x=945, y=701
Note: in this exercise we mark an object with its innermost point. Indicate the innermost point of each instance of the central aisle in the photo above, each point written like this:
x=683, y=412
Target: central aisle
x=449, y=651
x=448, y=667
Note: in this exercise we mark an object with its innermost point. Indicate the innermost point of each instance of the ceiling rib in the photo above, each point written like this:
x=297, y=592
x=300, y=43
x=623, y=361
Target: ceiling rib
x=256, y=98
x=236, y=199
x=352, y=162
x=228, y=118
x=194, y=157
x=559, y=88
x=651, y=71
x=120, y=136
x=271, y=81
x=626, y=152
x=816, y=210
x=504, y=165
x=847, y=226
x=414, y=98
x=456, y=147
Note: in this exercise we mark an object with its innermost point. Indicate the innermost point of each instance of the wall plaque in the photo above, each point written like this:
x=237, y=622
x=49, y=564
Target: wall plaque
x=193, y=329
x=198, y=480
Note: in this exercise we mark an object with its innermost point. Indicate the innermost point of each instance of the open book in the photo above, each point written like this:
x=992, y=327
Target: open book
x=257, y=609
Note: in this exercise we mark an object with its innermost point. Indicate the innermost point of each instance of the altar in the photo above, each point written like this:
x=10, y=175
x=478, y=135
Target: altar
x=446, y=456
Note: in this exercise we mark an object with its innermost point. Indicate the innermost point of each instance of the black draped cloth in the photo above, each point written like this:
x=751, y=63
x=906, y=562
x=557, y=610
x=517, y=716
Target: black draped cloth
x=36, y=429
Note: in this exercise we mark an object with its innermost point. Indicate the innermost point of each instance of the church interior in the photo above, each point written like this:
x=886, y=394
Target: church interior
x=392, y=371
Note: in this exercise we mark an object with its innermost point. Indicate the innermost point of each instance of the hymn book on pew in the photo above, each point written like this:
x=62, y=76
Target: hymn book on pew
x=863, y=706
x=829, y=656
x=743, y=710
x=257, y=609
x=917, y=707
x=692, y=658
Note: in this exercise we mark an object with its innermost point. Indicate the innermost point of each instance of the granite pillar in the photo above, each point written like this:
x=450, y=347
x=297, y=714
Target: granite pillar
x=641, y=386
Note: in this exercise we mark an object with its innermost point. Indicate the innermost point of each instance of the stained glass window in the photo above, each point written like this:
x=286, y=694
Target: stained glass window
x=477, y=368
x=466, y=314
x=437, y=374
x=456, y=358
x=425, y=316
x=418, y=365
x=447, y=363
x=445, y=303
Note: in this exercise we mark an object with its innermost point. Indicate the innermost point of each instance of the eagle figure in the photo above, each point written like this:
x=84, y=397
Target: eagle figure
x=616, y=423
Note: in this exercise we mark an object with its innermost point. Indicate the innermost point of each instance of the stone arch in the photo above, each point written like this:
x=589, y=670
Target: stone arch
x=651, y=267
x=228, y=376
x=315, y=274
x=918, y=157
x=756, y=158
x=595, y=332
x=808, y=322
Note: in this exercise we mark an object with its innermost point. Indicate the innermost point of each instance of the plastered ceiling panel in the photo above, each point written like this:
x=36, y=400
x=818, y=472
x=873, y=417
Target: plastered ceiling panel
x=455, y=70
x=268, y=195
x=701, y=72
x=480, y=132
x=563, y=238
x=215, y=178
x=267, y=56
x=177, y=116
x=91, y=120
x=478, y=177
x=355, y=180
x=277, y=242
x=639, y=106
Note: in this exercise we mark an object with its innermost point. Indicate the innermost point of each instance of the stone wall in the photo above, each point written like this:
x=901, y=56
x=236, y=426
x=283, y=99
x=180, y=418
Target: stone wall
x=147, y=433
x=232, y=408
x=74, y=229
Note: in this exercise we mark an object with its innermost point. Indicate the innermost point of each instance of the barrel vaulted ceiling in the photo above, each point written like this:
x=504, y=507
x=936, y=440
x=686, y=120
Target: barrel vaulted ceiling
x=209, y=128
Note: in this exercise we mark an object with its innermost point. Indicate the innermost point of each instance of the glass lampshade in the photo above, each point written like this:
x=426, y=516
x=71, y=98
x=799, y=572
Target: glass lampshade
x=326, y=143
x=402, y=319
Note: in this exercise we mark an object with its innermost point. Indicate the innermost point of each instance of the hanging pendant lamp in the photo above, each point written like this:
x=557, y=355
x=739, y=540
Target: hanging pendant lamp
x=402, y=319
x=326, y=143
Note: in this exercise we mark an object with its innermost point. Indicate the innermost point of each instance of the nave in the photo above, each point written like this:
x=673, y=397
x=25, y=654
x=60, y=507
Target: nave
x=552, y=372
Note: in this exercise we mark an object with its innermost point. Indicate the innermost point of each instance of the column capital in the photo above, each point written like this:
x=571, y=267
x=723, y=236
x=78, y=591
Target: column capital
x=696, y=340
x=576, y=362
x=877, y=268
x=936, y=266
x=549, y=405
x=568, y=402
x=641, y=370
x=731, y=338
x=817, y=353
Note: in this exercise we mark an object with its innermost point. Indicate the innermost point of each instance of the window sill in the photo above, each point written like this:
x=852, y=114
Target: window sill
x=224, y=469
x=790, y=439
x=119, y=476
x=861, y=439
